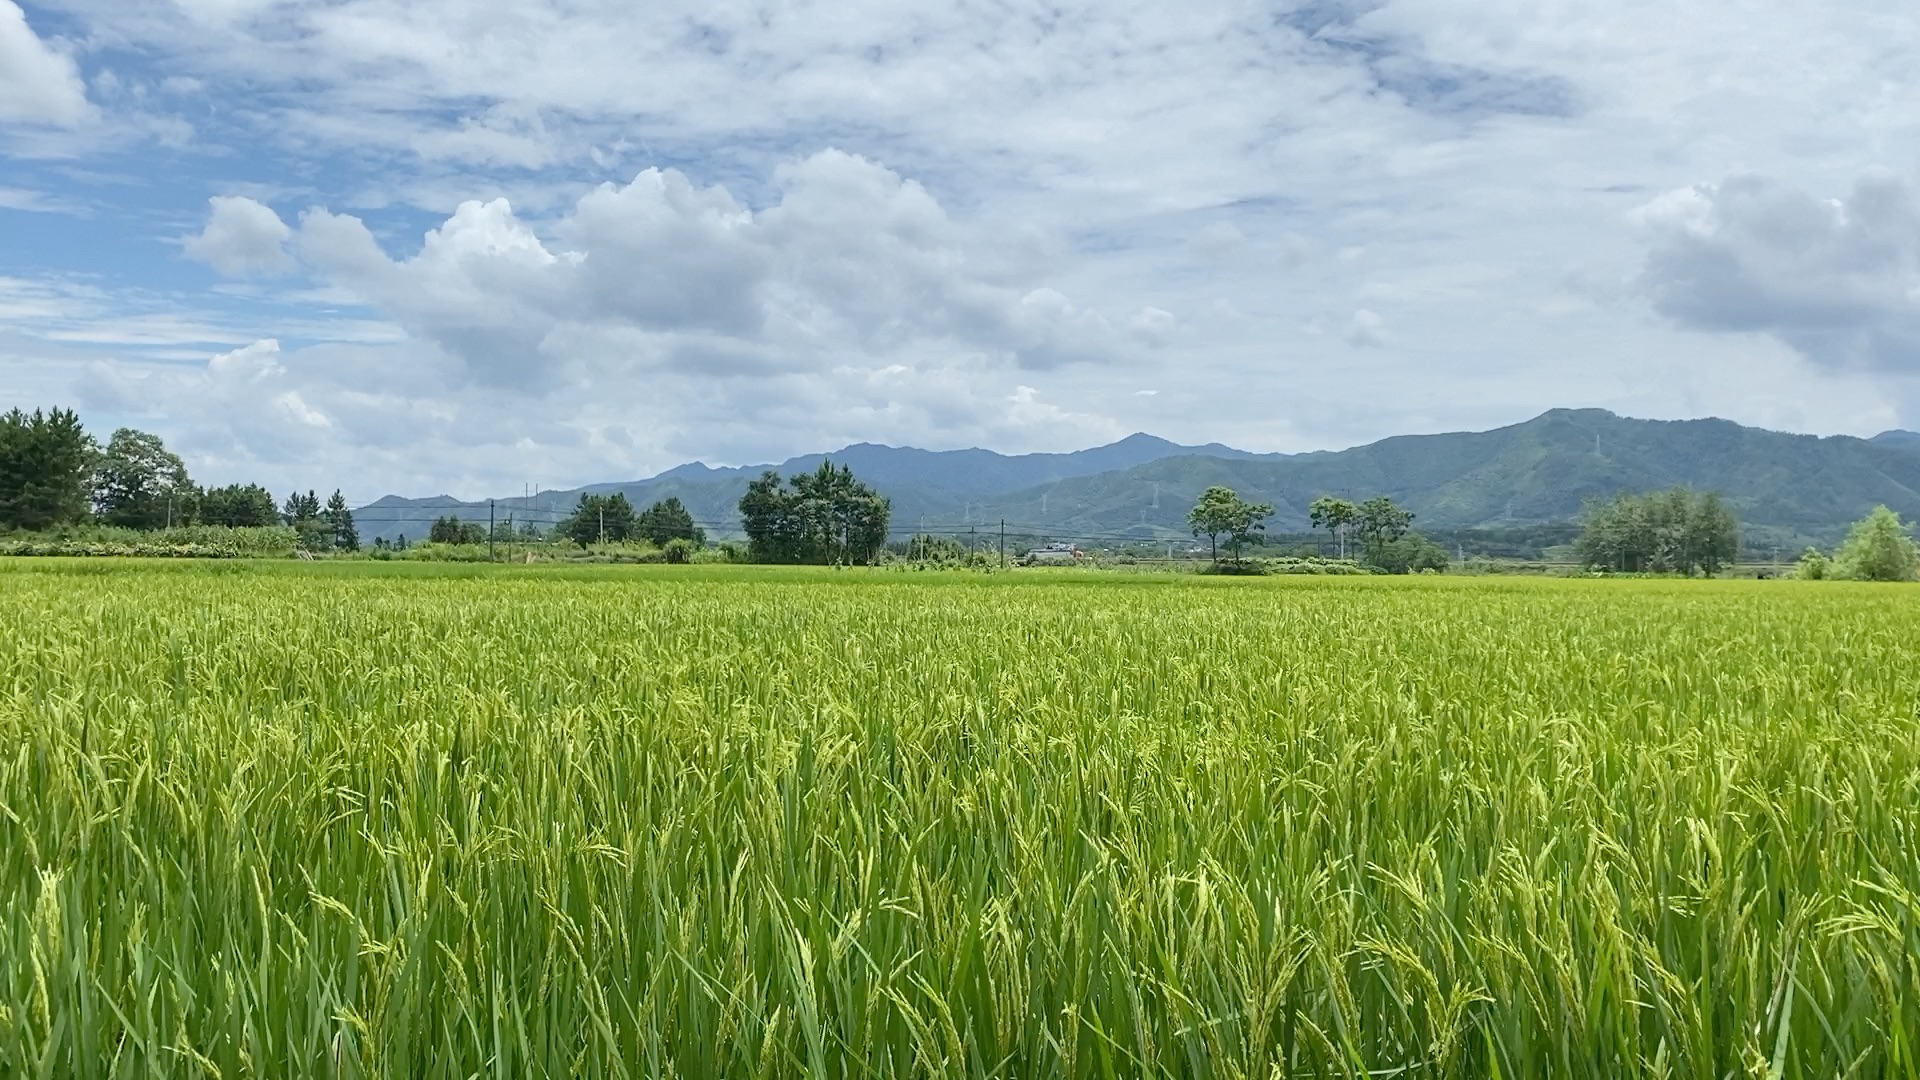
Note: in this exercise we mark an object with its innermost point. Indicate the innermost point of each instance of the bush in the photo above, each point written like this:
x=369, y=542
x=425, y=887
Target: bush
x=1316, y=565
x=1409, y=554
x=267, y=541
x=679, y=550
x=1246, y=568
x=98, y=549
x=1813, y=566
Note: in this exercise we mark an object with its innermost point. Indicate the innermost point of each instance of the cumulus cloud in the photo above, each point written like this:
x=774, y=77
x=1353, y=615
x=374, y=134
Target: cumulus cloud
x=852, y=259
x=38, y=84
x=1838, y=279
x=242, y=238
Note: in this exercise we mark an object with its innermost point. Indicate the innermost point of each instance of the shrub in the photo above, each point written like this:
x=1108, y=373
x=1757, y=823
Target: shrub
x=1813, y=566
x=679, y=550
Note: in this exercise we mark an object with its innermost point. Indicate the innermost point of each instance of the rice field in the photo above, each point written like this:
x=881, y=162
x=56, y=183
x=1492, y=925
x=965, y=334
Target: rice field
x=395, y=821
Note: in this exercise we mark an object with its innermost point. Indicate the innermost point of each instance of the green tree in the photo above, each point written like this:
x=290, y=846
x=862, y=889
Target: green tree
x=1336, y=516
x=1382, y=522
x=1408, y=554
x=452, y=529
x=1676, y=531
x=601, y=519
x=139, y=484
x=300, y=509
x=302, y=512
x=769, y=515
x=666, y=521
x=46, y=464
x=826, y=516
x=1713, y=534
x=238, y=506
x=1222, y=512
x=339, y=522
x=1878, y=548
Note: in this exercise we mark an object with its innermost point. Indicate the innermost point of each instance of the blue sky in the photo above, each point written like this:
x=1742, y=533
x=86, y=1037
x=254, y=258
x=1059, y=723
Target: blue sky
x=422, y=246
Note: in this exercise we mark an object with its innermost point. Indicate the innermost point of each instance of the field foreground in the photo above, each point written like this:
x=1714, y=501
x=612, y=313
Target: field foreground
x=399, y=822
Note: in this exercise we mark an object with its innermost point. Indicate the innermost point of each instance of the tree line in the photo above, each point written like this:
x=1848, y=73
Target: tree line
x=54, y=474
x=1382, y=527
x=1677, y=531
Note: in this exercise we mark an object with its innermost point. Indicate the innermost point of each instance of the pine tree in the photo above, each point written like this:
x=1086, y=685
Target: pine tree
x=340, y=520
x=45, y=462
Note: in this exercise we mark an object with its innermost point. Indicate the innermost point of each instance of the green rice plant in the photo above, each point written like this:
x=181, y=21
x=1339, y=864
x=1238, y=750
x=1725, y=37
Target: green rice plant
x=418, y=820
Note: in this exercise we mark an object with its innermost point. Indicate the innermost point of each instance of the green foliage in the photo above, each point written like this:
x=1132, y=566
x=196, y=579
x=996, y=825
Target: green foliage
x=141, y=549
x=453, y=530
x=1879, y=548
x=338, y=520
x=601, y=519
x=1313, y=565
x=139, y=484
x=239, y=506
x=1410, y=553
x=403, y=820
x=1222, y=512
x=1676, y=531
x=1813, y=566
x=680, y=549
x=666, y=521
x=1336, y=516
x=300, y=509
x=46, y=465
x=184, y=541
x=826, y=516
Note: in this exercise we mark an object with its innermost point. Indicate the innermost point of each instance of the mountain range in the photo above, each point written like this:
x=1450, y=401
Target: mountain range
x=1788, y=489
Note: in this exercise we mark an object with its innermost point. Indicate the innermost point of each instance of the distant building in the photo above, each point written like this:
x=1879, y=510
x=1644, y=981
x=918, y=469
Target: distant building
x=1053, y=554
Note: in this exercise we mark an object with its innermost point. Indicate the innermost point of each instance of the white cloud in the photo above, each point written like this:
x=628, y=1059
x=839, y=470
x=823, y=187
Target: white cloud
x=1838, y=279
x=853, y=260
x=38, y=84
x=501, y=135
x=1366, y=330
x=13, y=198
x=242, y=238
x=630, y=247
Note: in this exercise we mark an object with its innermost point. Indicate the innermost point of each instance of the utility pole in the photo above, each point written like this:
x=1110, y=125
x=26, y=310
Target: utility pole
x=169, y=509
x=603, y=523
x=970, y=531
x=1003, y=542
x=490, y=530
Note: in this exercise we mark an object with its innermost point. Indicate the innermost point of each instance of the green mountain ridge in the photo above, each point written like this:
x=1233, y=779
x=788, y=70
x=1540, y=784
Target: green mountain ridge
x=1788, y=489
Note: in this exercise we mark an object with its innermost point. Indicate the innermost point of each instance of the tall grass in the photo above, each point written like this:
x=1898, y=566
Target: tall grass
x=279, y=821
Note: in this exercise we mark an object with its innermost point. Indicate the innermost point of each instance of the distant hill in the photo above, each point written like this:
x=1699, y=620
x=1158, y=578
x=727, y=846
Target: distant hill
x=1788, y=489
x=1899, y=440
x=922, y=483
